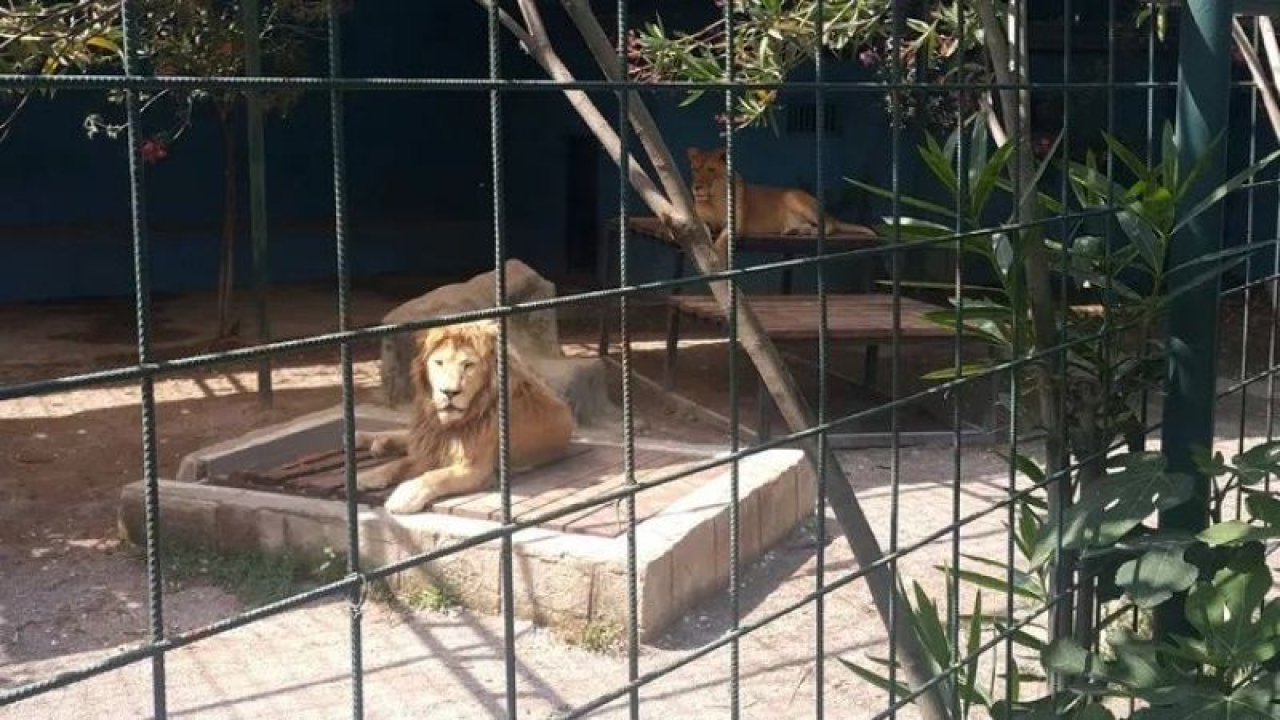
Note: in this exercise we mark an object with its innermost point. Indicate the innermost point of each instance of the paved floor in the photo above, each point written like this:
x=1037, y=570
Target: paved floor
x=68, y=596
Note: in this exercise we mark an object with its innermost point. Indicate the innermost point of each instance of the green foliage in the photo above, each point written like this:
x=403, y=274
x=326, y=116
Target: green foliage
x=435, y=598
x=773, y=38
x=1226, y=668
x=959, y=664
x=202, y=38
x=253, y=577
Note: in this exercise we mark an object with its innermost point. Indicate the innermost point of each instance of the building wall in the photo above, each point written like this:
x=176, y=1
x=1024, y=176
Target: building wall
x=418, y=169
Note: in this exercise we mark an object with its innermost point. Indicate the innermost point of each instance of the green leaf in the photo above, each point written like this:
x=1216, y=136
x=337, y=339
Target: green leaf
x=1143, y=237
x=1110, y=509
x=879, y=681
x=104, y=43
x=1000, y=585
x=1222, y=610
x=1220, y=192
x=1264, y=508
x=1236, y=532
x=938, y=164
x=929, y=625
x=1066, y=657
x=1136, y=165
x=986, y=180
x=906, y=200
x=1258, y=462
x=1153, y=578
x=1205, y=701
x=971, y=651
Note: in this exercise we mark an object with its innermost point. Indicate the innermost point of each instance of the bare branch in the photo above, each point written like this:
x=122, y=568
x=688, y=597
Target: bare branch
x=646, y=128
x=1265, y=88
x=541, y=51
x=997, y=44
x=993, y=120
x=1268, y=33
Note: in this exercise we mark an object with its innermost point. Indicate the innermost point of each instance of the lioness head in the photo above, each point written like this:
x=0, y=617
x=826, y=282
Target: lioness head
x=456, y=369
x=708, y=168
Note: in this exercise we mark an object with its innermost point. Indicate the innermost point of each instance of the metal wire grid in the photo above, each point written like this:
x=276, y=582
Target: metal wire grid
x=354, y=584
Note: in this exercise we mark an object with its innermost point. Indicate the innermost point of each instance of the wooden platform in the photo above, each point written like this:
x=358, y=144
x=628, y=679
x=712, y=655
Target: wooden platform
x=652, y=228
x=589, y=471
x=866, y=317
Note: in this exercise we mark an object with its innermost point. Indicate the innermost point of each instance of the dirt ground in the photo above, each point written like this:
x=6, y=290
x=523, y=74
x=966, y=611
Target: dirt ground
x=70, y=593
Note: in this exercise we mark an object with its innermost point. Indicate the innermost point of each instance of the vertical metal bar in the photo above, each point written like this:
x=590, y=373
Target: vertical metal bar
x=820, y=503
x=1016, y=45
x=1145, y=395
x=1204, y=63
x=249, y=15
x=355, y=597
x=1248, y=272
x=507, y=574
x=628, y=404
x=142, y=319
x=1274, y=288
x=731, y=242
x=895, y=441
x=957, y=349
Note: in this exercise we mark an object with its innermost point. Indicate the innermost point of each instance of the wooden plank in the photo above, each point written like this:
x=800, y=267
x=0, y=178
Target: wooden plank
x=653, y=229
x=544, y=486
x=651, y=500
x=612, y=478
x=608, y=520
x=850, y=317
x=480, y=504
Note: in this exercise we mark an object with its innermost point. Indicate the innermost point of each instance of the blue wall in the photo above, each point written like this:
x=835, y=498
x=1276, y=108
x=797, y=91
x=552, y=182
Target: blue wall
x=418, y=167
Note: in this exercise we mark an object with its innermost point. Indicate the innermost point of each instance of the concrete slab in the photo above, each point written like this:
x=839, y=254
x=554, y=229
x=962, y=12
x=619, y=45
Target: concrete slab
x=561, y=577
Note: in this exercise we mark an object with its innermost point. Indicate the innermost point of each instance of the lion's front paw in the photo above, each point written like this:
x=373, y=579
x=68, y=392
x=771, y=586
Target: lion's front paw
x=365, y=440
x=410, y=497
x=375, y=478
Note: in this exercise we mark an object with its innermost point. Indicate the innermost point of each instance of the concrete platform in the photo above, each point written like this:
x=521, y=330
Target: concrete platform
x=568, y=571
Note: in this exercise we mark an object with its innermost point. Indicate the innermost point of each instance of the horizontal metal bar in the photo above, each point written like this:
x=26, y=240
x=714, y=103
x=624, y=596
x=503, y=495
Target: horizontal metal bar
x=236, y=82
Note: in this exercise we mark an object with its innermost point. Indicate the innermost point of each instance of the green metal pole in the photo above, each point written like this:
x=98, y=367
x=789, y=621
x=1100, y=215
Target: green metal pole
x=249, y=10
x=1204, y=72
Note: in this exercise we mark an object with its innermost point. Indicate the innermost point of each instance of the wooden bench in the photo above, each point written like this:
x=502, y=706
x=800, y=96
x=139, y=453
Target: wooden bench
x=859, y=318
x=864, y=317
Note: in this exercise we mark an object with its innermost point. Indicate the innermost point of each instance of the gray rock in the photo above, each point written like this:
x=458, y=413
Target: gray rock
x=580, y=381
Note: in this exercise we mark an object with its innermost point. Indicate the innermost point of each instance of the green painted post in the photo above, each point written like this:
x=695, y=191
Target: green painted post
x=1204, y=71
x=249, y=10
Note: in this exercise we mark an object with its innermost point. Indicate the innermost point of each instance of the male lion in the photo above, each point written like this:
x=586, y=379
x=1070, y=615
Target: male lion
x=758, y=209
x=451, y=446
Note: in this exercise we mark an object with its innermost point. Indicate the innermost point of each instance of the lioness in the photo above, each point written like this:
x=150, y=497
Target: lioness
x=758, y=209
x=451, y=446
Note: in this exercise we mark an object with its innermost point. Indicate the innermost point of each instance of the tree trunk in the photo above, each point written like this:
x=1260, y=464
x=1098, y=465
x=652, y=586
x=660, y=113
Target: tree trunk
x=1009, y=60
x=228, y=323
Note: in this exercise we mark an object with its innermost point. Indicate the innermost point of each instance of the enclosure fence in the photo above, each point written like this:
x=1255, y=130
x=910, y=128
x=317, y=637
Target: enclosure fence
x=1189, y=406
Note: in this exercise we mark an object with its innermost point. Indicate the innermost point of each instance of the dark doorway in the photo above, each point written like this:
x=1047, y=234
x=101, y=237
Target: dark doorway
x=581, y=220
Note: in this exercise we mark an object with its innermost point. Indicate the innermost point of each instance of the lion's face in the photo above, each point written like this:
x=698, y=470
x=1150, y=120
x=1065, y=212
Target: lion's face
x=708, y=169
x=459, y=366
